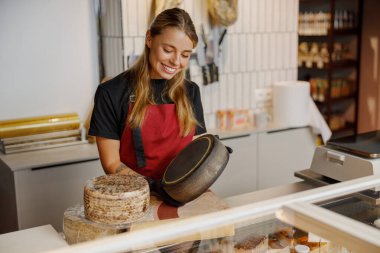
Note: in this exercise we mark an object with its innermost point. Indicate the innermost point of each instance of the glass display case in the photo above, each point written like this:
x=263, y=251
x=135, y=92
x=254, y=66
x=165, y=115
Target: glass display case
x=332, y=219
x=355, y=207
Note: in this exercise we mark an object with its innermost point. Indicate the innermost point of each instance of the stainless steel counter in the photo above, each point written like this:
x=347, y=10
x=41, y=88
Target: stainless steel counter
x=269, y=193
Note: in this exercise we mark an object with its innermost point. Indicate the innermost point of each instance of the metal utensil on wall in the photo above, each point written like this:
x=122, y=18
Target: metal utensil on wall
x=209, y=54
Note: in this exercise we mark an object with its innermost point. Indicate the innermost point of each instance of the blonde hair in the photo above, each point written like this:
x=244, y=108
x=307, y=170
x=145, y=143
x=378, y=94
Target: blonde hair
x=176, y=90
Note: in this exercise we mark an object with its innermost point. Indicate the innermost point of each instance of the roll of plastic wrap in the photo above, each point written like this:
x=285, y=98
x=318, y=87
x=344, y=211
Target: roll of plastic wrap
x=38, y=125
x=291, y=106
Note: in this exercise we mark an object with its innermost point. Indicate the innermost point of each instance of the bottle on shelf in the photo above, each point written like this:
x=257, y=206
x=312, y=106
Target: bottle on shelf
x=328, y=57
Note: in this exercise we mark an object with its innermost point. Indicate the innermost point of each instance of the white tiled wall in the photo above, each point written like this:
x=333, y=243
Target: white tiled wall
x=259, y=49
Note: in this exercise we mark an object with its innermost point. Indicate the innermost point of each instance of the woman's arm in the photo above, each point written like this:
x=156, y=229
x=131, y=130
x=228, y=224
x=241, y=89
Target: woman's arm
x=110, y=158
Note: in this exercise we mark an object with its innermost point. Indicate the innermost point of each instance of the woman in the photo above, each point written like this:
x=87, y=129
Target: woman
x=145, y=116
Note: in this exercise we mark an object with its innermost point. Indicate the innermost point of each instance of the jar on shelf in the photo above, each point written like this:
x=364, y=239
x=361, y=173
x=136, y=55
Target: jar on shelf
x=335, y=91
x=313, y=55
x=337, y=121
x=346, y=89
x=322, y=88
x=337, y=54
x=303, y=51
x=324, y=52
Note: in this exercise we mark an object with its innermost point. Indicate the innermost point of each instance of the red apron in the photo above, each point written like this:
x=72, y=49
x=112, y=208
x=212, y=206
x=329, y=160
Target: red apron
x=160, y=138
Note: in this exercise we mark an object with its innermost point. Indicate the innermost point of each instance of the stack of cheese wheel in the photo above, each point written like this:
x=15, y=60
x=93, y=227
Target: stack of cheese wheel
x=79, y=229
x=111, y=204
x=116, y=199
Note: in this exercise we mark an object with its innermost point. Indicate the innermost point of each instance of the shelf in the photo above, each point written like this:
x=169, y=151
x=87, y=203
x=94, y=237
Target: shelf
x=348, y=129
x=335, y=100
x=343, y=98
x=345, y=64
x=336, y=32
x=345, y=32
x=340, y=44
x=319, y=2
x=335, y=65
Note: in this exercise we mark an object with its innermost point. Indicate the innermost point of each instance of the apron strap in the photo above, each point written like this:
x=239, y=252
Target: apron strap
x=137, y=142
x=139, y=148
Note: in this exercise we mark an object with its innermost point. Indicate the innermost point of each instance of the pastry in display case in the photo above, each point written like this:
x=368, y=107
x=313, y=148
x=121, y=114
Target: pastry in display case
x=271, y=236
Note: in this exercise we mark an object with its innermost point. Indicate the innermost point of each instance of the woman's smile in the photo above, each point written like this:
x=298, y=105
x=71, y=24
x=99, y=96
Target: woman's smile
x=168, y=69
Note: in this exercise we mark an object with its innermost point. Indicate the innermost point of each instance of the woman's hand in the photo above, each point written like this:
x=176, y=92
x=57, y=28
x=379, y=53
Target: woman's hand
x=110, y=157
x=123, y=169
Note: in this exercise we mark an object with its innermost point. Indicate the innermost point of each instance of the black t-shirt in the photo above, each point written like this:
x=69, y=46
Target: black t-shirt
x=112, y=103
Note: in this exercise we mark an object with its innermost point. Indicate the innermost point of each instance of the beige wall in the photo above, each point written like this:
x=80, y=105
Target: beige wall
x=369, y=96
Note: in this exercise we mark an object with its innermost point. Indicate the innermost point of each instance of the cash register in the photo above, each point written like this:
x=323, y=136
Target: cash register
x=344, y=159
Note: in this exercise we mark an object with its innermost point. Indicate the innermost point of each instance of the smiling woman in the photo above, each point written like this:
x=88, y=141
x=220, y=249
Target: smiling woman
x=145, y=116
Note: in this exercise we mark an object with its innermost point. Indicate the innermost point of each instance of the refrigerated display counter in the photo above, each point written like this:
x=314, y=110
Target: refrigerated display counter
x=332, y=218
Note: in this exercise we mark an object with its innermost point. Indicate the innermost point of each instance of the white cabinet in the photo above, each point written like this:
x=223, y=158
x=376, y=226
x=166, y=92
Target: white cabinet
x=281, y=153
x=45, y=194
x=41, y=185
x=265, y=159
x=239, y=176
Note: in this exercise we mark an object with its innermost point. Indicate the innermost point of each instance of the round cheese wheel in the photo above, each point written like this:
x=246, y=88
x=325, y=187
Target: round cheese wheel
x=116, y=199
x=377, y=222
x=77, y=228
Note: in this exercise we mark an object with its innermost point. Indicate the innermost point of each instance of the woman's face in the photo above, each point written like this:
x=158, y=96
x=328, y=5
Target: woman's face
x=169, y=52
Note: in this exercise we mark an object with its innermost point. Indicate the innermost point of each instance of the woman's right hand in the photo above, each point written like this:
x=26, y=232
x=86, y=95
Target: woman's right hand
x=110, y=157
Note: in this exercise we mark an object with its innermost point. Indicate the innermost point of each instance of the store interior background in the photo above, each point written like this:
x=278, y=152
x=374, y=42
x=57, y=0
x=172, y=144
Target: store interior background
x=49, y=57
